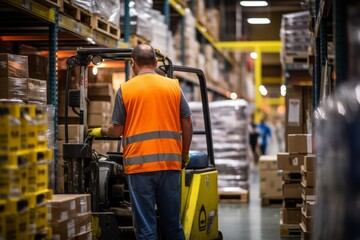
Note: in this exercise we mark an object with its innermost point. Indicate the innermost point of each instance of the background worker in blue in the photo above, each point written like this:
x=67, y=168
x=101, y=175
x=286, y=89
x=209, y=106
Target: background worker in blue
x=154, y=119
x=264, y=133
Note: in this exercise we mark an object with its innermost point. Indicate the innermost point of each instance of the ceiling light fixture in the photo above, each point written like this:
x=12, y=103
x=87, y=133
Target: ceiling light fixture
x=253, y=3
x=253, y=55
x=263, y=90
x=258, y=20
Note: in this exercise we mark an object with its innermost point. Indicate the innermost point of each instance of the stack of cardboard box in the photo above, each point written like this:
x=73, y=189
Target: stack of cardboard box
x=308, y=183
x=70, y=216
x=14, y=72
x=299, y=146
x=73, y=137
x=101, y=96
x=270, y=181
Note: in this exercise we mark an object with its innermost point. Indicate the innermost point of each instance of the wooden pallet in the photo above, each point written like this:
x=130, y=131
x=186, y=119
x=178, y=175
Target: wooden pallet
x=292, y=203
x=136, y=40
x=290, y=230
x=106, y=27
x=271, y=201
x=76, y=12
x=291, y=176
x=241, y=196
x=50, y=3
x=295, y=57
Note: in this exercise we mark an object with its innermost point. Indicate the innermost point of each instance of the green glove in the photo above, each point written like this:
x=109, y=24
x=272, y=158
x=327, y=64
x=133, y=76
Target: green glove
x=95, y=132
x=185, y=160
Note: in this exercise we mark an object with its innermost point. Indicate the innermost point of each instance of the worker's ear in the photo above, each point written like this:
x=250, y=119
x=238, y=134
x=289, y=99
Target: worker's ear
x=156, y=62
x=132, y=63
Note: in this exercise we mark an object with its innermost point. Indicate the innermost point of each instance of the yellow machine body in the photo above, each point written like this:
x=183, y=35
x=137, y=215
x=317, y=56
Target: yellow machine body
x=199, y=204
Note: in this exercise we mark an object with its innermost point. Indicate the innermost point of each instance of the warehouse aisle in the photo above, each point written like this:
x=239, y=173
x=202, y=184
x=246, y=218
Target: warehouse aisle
x=249, y=221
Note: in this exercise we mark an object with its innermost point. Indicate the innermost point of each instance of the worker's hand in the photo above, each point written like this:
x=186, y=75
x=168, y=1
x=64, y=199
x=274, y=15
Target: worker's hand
x=94, y=132
x=185, y=160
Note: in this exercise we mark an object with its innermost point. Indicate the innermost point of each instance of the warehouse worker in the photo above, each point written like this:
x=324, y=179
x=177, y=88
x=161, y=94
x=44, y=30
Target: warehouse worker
x=264, y=133
x=150, y=112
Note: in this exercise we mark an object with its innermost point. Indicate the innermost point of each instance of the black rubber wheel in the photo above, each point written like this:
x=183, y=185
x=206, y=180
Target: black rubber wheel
x=220, y=236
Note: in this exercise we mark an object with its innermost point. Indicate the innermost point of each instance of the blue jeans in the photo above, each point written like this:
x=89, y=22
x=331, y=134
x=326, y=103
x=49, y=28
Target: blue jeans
x=163, y=189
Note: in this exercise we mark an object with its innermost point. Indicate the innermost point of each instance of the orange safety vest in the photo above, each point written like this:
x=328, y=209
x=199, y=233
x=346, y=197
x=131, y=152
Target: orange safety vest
x=151, y=138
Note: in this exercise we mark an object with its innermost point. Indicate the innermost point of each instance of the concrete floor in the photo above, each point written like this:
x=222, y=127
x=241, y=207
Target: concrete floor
x=249, y=221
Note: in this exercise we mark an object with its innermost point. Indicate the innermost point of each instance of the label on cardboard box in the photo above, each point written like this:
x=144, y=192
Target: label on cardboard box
x=290, y=162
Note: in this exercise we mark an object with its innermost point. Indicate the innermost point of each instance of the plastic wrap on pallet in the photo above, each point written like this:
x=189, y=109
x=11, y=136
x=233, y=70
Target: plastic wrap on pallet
x=109, y=9
x=295, y=35
x=337, y=122
x=50, y=133
x=229, y=131
x=85, y=4
x=37, y=89
x=12, y=65
x=13, y=88
x=140, y=17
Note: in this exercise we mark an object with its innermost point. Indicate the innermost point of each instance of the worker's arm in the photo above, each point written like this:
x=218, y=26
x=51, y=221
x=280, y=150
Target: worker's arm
x=187, y=129
x=112, y=131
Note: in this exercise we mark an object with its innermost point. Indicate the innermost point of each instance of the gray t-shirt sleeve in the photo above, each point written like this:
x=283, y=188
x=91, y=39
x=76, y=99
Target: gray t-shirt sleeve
x=184, y=107
x=119, y=113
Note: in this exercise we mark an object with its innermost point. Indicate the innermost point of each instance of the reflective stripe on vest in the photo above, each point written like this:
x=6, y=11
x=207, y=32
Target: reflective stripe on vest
x=152, y=158
x=151, y=135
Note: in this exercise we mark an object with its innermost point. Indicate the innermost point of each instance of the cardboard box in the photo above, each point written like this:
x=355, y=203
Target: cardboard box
x=83, y=203
x=268, y=162
x=270, y=184
x=38, y=66
x=308, y=208
x=83, y=223
x=294, y=119
x=308, y=193
x=101, y=92
x=63, y=230
x=310, y=163
x=73, y=131
x=12, y=65
x=292, y=190
x=62, y=208
x=98, y=120
x=102, y=147
x=304, y=234
x=307, y=178
x=61, y=184
x=99, y=107
x=300, y=143
x=13, y=88
x=307, y=222
x=37, y=89
x=290, y=162
x=291, y=215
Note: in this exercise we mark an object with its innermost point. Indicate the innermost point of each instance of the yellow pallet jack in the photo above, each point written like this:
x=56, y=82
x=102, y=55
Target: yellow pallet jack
x=103, y=178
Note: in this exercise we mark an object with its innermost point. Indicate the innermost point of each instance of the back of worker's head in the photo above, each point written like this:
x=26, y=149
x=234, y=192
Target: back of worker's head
x=144, y=55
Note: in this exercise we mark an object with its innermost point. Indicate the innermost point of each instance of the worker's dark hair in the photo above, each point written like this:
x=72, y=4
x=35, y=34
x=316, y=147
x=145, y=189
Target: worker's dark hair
x=144, y=55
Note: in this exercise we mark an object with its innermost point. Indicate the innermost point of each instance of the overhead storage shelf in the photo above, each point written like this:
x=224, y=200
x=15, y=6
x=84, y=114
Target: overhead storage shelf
x=202, y=29
x=83, y=32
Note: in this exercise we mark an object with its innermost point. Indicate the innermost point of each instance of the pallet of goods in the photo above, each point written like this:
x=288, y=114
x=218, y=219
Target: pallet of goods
x=270, y=181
